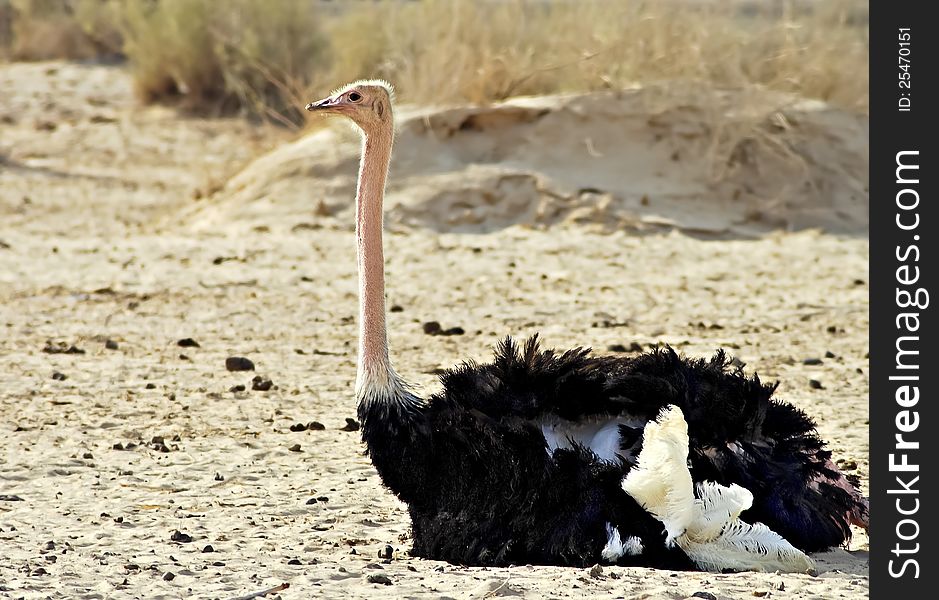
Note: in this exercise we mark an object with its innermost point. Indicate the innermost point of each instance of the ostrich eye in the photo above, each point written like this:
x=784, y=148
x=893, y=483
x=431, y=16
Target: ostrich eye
x=354, y=96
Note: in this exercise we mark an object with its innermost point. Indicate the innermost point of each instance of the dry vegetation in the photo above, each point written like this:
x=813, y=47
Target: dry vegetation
x=265, y=57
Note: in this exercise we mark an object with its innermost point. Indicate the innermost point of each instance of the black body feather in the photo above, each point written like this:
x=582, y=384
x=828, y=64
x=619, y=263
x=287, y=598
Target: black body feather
x=482, y=489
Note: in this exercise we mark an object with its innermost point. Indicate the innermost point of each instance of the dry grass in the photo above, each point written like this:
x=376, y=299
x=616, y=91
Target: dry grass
x=269, y=57
x=448, y=50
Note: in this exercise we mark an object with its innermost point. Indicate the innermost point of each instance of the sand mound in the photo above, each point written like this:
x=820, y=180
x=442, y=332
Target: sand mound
x=705, y=161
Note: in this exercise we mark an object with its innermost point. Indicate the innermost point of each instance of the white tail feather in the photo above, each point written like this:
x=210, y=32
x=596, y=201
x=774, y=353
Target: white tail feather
x=707, y=528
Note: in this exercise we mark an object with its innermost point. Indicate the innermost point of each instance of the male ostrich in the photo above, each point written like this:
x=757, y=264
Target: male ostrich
x=572, y=459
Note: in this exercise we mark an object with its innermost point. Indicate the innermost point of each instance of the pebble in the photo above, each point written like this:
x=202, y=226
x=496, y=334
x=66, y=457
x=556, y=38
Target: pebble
x=596, y=571
x=297, y=427
x=181, y=537
x=434, y=328
x=705, y=595
x=295, y=448
x=56, y=375
x=294, y=561
x=208, y=548
x=110, y=344
x=815, y=384
x=315, y=426
x=829, y=354
x=219, y=477
x=237, y=388
x=238, y=363
x=188, y=343
x=812, y=361
x=311, y=501
x=351, y=425
x=379, y=578
x=261, y=384
x=61, y=348
x=396, y=308
x=169, y=576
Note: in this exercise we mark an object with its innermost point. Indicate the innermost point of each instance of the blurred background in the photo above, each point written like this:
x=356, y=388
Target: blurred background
x=264, y=58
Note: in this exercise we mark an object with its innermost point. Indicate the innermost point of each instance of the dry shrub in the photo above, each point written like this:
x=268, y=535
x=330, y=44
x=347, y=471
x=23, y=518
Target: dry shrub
x=453, y=50
x=217, y=56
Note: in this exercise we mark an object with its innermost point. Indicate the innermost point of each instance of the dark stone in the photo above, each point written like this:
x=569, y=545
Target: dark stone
x=208, y=548
x=295, y=448
x=812, y=361
x=294, y=561
x=261, y=384
x=705, y=595
x=56, y=375
x=315, y=426
x=10, y=498
x=379, y=578
x=815, y=384
x=110, y=345
x=351, y=425
x=297, y=427
x=169, y=576
x=237, y=388
x=183, y=538
x=188, y=343
x=238, y=363
x=396, y=308
x=61, y=348
x=432, y=328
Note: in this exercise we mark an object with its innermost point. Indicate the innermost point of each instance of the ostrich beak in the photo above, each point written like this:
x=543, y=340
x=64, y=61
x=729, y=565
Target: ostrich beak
x=321, y=105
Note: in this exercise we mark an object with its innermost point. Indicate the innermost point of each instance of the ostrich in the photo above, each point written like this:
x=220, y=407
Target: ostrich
x=572, y=459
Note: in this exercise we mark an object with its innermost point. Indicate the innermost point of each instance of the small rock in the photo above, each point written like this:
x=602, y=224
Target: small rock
x=387, y=552
x=183, y=538
x=351, y=425
x=110, y=344
x=188, y=343
x=311, y=501
x=812, y=361
x=150, y=386
x=596, y=571
x=315, y=426
x=781, y=586
x=208, y=548
x=61, y=348
x=294, y=561
x=322, y=499
x=815, y=384
x=396, y=308
x=56, y=375
x=40, y=571
x=88, y=456
x=432, y=328
x=237, y=388
x=295, y=448
x=829, y=354
x=238, y=363
x=761, y=593
x=379, y=578
x=454, y=331
x=297, y=427
x=184, y=357
x=169, y=576
x=705, y=595
x=261, y=384
x=118, y=446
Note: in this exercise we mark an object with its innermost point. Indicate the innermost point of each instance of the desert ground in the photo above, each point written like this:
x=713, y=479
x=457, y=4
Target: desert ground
x=140, y=248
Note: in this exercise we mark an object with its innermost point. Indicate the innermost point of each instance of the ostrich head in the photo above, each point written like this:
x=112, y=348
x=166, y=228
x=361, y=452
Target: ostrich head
x=367, y=103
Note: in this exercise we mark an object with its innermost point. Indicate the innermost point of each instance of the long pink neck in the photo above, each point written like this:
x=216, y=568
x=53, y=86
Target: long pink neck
x=374, y=365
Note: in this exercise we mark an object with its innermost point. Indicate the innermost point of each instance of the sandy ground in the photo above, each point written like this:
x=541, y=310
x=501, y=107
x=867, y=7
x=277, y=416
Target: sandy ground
x=109, y=452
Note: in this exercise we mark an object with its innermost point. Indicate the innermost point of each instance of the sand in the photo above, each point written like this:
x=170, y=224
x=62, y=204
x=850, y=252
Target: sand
x=143, y=228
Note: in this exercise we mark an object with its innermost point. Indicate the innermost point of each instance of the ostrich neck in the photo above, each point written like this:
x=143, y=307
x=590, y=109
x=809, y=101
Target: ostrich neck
x=374, y=368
